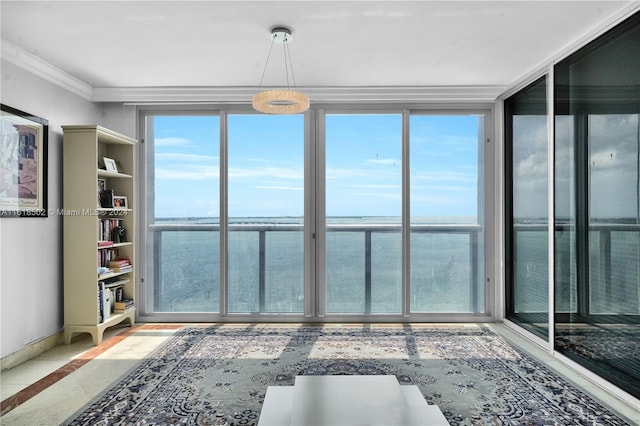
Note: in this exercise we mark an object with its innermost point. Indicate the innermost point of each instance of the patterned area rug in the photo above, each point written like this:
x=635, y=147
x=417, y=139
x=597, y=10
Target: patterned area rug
x=218, y=375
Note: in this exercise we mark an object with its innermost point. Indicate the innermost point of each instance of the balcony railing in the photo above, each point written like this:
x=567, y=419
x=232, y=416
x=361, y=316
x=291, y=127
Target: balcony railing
x=368, y=230
x=605, y=262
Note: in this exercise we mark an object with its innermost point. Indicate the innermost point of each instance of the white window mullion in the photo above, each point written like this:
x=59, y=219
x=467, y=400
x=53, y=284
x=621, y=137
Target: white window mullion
x=406, y=216
x=224, y=219
x=551, y=205
x=320, y=210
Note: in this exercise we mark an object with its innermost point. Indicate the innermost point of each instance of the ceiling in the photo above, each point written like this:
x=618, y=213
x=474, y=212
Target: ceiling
x=160, y=44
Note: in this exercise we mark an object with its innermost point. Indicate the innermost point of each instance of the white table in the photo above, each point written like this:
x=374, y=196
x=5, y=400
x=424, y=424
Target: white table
x=348, y=401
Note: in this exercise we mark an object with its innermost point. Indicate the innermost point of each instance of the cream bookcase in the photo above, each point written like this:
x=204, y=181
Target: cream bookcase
x=85, y=248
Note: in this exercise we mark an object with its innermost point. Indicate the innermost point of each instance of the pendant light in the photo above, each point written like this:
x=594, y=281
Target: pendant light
x=282, y=101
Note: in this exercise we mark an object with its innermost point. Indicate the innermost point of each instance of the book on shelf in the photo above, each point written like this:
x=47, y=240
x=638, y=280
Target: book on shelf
x=107, y=299
x=115, y=282
x=120, y=265
x=102, y=243
x=123, y=306
x=105, y=302
x=111, y=229
x=100, y=303
x=127, y=268
x=119, y=294
x=110, y=258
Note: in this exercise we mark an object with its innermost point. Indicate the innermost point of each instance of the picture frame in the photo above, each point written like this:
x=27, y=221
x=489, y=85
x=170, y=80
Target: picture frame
x=102, y=185
x=120, y=202
x=106, y=198
x=110, y=164
x=24, y=139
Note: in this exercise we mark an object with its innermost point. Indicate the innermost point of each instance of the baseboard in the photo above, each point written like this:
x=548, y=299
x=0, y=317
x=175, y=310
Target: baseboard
x=32, y=350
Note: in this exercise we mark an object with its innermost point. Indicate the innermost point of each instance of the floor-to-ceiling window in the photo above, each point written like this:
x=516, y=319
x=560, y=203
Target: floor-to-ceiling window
x=317, y=216
x=526, y=171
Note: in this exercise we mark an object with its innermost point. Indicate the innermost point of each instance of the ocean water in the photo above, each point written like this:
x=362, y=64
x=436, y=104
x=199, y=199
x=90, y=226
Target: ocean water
x=363, y=269
x=266, y=272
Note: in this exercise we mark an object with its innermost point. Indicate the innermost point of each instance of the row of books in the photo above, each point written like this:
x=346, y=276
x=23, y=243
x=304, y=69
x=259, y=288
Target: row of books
x=105, y=296
x=111, y=300
x=111, y=229
x=123, y=306
x=105, y=256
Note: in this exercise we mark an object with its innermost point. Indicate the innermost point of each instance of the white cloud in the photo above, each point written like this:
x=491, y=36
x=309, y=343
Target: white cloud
x=192, y=173
x=378, y=195
x=385, y=161
x=175, y=156
x=335, y=173
x=376, y=186
x=416, y=189
x=445, y=175
x=170, y=141
x=281, y=188
x=266, y=172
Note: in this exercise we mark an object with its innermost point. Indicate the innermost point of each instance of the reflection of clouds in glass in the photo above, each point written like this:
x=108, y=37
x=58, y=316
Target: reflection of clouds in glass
x=563, y=173
x=613, y=166
x=530, y=166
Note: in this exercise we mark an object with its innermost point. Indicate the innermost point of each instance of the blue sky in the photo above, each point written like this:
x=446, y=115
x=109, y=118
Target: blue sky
x=363, y=165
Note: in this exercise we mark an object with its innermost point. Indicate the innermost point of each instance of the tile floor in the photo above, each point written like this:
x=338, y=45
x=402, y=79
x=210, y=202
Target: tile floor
x=51, y=387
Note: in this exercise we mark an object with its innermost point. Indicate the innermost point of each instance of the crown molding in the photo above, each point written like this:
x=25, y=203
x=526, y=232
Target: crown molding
x=43, y=69
x=547, y=66
x=237, y=95
x=241, y=95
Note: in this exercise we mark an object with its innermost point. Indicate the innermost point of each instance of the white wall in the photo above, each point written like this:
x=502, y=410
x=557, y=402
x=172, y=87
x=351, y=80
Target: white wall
x=31, y=296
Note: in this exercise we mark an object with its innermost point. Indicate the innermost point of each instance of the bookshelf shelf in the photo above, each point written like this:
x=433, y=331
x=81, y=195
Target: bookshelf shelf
x=115, y=245
x=89, y=308
x=108, y=174
x=102, y=211
x=110, y=275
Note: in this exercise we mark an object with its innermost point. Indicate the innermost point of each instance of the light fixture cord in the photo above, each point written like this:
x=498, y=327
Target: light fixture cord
x=288, y=54
x=266, y=63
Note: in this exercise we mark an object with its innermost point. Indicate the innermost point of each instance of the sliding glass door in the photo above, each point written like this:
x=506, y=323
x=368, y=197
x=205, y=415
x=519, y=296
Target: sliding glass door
x=573, y=267
x=526, y=170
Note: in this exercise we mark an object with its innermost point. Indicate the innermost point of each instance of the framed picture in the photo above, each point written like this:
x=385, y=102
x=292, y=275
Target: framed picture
x=110, y=164
x=120, y=202
x=23, y=164
x=102, y=185
x=106, y=198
